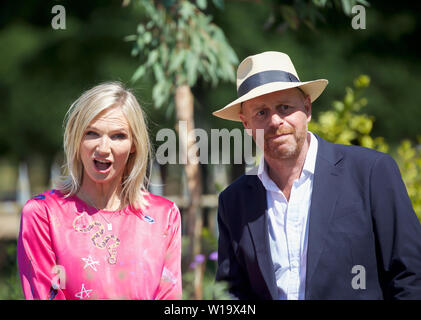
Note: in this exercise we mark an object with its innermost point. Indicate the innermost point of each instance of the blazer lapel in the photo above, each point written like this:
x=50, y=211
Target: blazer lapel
x=258, y=226
x=326, y=188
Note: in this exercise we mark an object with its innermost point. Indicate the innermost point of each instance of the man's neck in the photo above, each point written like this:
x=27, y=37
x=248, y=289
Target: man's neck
x=284, y=172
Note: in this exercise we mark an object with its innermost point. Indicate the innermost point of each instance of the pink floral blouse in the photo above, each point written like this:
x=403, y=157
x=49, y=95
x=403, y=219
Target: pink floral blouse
x=69, y=250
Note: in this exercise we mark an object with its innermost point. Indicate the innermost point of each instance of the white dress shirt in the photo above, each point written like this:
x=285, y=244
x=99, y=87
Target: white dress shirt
x=288, y=226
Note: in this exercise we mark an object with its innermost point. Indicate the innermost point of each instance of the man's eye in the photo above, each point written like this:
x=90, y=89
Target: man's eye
x=261, y=113
x=285, y=108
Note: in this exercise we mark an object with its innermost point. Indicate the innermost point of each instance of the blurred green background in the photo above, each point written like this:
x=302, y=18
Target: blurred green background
x=42, y=71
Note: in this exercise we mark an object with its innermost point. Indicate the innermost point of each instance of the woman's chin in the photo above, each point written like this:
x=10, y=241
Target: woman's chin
x=101, y=178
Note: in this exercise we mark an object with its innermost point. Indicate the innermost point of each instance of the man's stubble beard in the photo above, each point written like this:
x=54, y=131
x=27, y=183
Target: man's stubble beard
x=293, y=147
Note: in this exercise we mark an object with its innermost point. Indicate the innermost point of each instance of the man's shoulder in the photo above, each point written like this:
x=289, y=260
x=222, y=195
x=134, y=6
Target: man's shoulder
x=358, y=151
x=352, y=153
x=240, y=184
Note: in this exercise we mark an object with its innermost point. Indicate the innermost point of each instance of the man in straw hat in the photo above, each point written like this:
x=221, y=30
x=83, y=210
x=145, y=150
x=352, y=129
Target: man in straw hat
x=319, y=220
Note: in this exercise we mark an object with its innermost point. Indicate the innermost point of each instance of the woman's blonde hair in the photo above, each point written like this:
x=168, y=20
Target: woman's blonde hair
x=80, y=114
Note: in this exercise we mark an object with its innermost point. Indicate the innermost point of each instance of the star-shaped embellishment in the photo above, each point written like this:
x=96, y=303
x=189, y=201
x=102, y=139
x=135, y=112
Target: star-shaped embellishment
x=83, y=292
x=89, y=262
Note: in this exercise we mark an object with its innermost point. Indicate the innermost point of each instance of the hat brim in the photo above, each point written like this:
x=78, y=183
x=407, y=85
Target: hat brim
x=232, y=111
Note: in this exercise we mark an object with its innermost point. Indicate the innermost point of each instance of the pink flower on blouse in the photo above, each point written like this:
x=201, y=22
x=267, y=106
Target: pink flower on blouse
x=67, y=251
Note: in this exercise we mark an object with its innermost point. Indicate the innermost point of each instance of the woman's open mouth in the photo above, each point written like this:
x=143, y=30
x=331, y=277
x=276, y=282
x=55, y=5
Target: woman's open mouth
x=102, y=165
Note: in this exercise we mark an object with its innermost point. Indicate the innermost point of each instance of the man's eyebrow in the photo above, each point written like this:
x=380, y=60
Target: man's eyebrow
x=256, y=105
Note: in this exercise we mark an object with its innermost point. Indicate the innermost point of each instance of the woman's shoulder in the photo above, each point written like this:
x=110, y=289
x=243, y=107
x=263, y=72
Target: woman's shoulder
x=159, y=206
x=43, y=201
x=155, y=200
x=161, y=211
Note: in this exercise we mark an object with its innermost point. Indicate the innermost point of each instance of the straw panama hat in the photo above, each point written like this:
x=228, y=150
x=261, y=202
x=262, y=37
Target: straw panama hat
x=264, y=73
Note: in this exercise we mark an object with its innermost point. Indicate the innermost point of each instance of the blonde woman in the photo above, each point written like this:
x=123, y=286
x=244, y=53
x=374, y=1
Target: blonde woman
x=101, y=234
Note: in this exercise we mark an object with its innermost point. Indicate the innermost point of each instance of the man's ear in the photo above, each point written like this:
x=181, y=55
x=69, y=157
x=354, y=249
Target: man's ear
x=249, y=131
x=243, y=120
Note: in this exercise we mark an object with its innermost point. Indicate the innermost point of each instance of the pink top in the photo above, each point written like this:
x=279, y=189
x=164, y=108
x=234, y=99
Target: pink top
x=66, y=250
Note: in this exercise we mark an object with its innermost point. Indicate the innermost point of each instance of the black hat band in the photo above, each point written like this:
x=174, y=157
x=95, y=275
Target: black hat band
x=264, y=77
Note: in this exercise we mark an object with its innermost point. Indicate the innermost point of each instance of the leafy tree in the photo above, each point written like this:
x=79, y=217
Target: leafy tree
x=345, y=124
x=178, y=43
x=44, y=70
x=409, y=160
x=292, y=14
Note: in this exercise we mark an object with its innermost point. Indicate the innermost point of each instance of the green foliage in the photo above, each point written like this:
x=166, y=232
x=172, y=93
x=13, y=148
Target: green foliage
x=344, y=124
x=10, y=286
x=207, y=263
x=409, y=160
x=293, y=15
x=178, y=44
x=44, y=70
x=212, y=290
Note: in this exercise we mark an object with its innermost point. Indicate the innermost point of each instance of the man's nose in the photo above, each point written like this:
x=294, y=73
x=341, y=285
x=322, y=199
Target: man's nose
x=276, y=120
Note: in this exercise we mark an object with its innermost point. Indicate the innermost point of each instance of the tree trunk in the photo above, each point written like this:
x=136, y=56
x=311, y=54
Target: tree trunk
x=185, y=112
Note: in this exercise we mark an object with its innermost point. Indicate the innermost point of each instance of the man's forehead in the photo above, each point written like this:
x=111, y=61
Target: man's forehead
x=285, y=96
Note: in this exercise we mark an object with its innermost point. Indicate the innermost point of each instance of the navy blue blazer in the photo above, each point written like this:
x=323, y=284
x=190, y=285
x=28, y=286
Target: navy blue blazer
x=360, y=215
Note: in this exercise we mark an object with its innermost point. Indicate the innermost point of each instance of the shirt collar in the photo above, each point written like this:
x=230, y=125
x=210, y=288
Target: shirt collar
x=310, y=162
x=308, y=168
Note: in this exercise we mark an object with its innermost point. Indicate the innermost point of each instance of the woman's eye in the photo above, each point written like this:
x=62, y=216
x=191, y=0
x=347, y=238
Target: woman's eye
x=119, y=136
x=91, y=133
